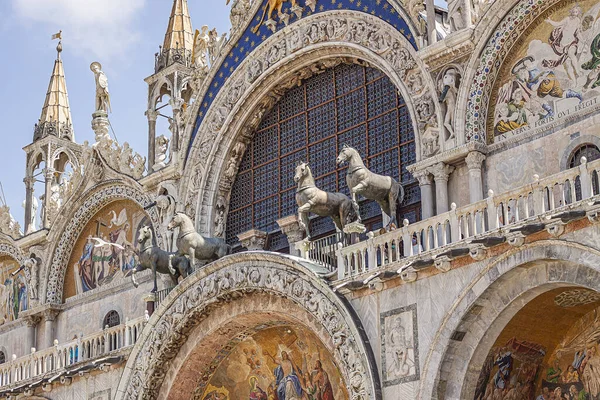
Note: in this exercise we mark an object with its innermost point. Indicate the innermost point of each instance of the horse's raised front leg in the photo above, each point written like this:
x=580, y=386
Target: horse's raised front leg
x=355, y=206
x=170, y=265
x=192, y=256
x=135, y=270
x=304, y=223
x=392, y=201
x=154, y=273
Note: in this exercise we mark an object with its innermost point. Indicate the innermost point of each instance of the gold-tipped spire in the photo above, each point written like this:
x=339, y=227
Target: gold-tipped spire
x=179, y=39
x=179, y=32
x=56, y=113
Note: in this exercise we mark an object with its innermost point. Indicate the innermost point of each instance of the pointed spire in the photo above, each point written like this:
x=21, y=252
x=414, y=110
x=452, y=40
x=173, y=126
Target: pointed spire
x=179, y=39
x=56, y=115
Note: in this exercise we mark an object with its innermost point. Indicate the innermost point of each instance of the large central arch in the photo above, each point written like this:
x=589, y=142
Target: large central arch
x=254, y=289
x=278, y=64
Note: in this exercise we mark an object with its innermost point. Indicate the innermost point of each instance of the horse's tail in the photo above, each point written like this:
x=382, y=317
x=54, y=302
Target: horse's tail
x=397, y=191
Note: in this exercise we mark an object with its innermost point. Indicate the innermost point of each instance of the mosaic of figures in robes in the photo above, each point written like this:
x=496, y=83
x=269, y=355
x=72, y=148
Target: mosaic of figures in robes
x=556, y=71
x=105, y=251
x=522, y=370
x=13, y=290
x=279, y=363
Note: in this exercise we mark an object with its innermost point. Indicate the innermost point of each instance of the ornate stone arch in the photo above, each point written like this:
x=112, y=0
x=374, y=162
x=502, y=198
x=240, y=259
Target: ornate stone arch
x=73, y=159
x=229, y=281
x=514, y=18
x=156, y=91
x=69, y=227
x=489, y=301
x=7, y=248
x=275, y=66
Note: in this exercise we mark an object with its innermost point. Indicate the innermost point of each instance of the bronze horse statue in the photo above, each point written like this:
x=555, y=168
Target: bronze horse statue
x=383, y=189
x=190, y=243
x=312, y=199
x=159, y=261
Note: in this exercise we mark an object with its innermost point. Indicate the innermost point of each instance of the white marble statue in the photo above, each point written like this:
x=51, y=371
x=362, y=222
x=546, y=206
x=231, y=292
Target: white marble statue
x=456, y=14
x=239, y=10
x=215, y=44
x=449, y=93
x=201, y=41
x=102, y=94
x=30, y=267
x=160, y=159
x=34, y=209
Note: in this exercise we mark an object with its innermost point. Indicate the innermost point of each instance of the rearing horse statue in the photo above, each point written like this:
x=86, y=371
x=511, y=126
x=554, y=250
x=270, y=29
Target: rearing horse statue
x=383, y=189
x=190, y=243
x=312, y=199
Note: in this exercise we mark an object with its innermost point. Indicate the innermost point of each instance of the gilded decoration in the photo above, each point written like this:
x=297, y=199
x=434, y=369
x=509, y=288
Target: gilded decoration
x=281, y=362
x=105, y=250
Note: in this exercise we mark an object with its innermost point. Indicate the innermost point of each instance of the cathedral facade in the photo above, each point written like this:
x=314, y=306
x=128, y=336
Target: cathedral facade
x=361, y=200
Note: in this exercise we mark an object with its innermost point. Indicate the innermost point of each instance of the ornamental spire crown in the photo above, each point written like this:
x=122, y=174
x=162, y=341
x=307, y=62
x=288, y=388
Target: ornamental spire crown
x=56, y=114
x=179, y=39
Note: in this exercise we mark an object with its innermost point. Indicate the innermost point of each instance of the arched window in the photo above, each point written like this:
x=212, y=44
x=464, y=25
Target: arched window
x=111, y=319
x=589, y=151
x=2, y=357
x=348, y=104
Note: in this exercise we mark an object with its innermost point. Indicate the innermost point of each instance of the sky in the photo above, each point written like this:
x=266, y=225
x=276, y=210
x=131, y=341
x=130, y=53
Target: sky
x=123, y=35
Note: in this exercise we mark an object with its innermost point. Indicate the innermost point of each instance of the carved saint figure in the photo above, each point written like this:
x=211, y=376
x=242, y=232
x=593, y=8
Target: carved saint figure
x=201, y=41
x=162, y=145
x=102, y=95
x=448, y=96
x=456, y=14
x=239, y=9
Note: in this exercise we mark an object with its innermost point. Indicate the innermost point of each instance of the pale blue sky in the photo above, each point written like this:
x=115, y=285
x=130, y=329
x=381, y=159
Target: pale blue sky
x=123, y=35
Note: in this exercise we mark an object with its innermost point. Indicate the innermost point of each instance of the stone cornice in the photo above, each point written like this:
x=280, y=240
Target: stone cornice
x=454, y=47
x=170, y=172
x=452, y=156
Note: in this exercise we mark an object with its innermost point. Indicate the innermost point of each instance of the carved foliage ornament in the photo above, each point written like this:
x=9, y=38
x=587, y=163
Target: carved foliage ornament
x=171, y=331
x=93, y=204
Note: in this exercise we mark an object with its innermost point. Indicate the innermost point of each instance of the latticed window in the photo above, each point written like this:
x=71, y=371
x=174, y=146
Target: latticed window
x=589, y=151
x=111, y=319
x=349, y=104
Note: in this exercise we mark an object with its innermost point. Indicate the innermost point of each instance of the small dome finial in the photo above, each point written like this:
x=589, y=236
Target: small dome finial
x=59, y=47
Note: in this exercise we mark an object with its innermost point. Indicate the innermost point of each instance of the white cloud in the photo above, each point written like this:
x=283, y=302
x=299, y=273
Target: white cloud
x=104, y=28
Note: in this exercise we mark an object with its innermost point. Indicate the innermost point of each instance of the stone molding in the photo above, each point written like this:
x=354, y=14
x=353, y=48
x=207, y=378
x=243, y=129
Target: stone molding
x=234, y=277
x=280, y=62
x=52, y=277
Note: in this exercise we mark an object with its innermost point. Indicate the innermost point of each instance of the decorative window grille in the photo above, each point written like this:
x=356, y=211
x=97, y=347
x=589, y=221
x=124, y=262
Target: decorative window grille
x=111, y=319
x=348, y=104
x=589, y=151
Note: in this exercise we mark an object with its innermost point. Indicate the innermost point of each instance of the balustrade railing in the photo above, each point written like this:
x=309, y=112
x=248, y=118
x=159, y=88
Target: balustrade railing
x=323, y=251
x=161, y=295
x=528, y=202
x=62, y=356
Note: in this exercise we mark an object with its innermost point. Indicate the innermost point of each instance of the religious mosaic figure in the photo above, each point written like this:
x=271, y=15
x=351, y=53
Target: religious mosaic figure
x=102, y=94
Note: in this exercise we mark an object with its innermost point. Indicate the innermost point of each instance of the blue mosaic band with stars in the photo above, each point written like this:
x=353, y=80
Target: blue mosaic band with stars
x=249, y=41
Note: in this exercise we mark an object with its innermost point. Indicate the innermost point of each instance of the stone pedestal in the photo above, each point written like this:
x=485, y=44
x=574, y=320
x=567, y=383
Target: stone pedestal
x=474, y=160
x=253, y=240
x=355, y=229
x=100, y=125
x=441, y=172
x=291, y=228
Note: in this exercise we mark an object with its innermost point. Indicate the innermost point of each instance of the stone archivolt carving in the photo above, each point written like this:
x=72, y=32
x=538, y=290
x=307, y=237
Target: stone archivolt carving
x=86, y=209
x=232, y=280
x=8, y=225
x=345, y=27
x=122, y=159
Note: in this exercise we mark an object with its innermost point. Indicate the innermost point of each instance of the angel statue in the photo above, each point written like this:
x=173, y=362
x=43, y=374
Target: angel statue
x=102, y=95
x=201, y=41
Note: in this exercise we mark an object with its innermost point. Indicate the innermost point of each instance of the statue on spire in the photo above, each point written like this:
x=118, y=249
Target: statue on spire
x=102, y=95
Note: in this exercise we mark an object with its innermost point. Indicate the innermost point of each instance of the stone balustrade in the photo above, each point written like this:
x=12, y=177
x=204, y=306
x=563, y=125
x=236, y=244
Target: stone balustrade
x=508, y=217
x=39, y=364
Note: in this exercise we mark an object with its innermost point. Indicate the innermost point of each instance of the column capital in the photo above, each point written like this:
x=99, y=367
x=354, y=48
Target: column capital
x=474, y=160
x=176, y=103
x=441, y=171
x=423, y=176
x=291, y=228
x=253, y=239
x=152, y=115
x=50, y=314
x=31, y=321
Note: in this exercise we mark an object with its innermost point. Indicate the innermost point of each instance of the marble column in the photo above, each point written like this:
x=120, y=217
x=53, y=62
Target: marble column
x=151, y=115
x=431, y=32
x=290, y=228
x=31, y=323
x=176, y=105
x=253, y=240
x=49, y=175
x=426, y=185
x=49, y=331
x=441, y=172
x=29, y=182
x=474, y=160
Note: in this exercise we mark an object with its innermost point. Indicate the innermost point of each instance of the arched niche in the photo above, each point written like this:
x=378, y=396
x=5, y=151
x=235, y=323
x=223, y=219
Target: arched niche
x=524, y=31
x=474, y=324
x=276, y=66
x=233, y=299
x=68, y=227
x=95, y=263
